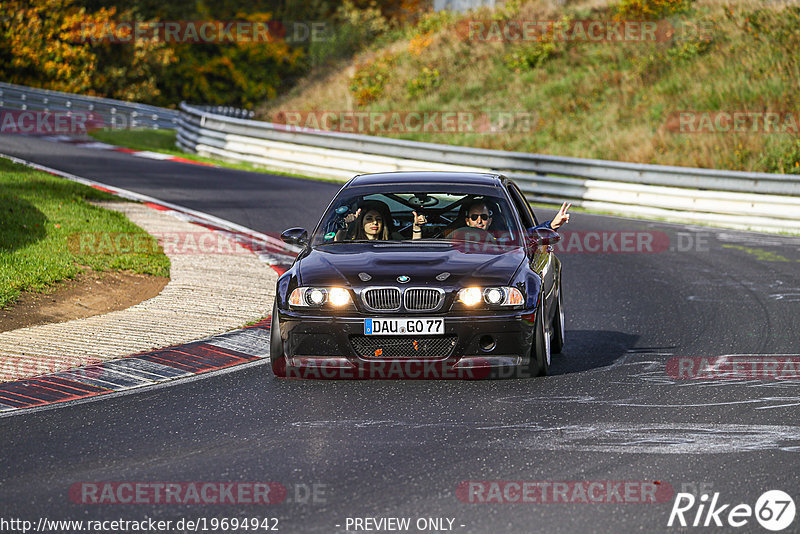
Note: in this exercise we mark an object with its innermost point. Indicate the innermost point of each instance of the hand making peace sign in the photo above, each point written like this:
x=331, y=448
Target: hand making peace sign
x=562, y=217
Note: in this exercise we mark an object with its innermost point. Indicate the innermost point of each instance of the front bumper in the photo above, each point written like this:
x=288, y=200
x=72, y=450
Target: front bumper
x=486, y=344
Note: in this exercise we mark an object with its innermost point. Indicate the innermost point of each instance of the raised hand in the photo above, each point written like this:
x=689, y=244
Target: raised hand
x=350, y=217
x=562, y=217
x=419, y=220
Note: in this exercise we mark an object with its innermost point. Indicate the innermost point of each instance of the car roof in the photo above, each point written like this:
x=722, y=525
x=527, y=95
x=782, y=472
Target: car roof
x=435, y=177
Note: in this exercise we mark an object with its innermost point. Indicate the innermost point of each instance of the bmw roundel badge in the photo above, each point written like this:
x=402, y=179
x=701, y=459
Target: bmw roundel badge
x=403, y=279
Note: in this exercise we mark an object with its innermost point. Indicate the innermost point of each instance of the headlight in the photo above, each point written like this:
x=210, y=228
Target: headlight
x=470, y=296
x=339, y=297
x=316, y=297
x=308, y=296
x=494, y=296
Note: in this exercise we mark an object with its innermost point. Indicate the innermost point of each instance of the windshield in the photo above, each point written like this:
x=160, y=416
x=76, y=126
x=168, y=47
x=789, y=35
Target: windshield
x=408, y=216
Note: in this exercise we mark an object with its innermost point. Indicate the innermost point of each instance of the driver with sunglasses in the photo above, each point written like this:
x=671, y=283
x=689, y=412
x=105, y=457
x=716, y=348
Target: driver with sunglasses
x=479, y=215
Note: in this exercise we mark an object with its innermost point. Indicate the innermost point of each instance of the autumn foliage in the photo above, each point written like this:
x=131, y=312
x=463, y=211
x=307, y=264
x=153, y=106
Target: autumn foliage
x=43, y=43
x=40, y=46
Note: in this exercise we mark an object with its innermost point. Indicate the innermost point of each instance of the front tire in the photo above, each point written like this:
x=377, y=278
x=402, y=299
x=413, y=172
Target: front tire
x=557, y=333
x=538, y=363
x=277, y=357
x=540, y=351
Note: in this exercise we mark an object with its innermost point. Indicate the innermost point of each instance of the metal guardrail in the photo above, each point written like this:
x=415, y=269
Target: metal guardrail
x=757, y=201
x=229, y=111
x=114, y=113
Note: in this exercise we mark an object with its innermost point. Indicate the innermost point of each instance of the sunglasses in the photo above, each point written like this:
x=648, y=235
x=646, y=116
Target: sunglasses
x=483, y=216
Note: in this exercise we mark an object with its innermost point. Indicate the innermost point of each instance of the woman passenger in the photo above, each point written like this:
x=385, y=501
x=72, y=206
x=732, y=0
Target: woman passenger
x=373, y=222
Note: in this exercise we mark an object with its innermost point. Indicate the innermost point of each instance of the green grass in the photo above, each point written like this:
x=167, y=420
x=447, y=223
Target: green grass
x=605, y=100
x=154, y=140
x=251, y=323
x=42, y=219
x=163, y=141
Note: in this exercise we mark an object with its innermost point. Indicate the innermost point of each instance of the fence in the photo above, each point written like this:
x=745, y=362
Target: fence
x=744, y=200
x=115, y=113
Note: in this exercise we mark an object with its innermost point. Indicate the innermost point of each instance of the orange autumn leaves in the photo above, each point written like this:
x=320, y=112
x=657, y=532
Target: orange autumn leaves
x=43, y=43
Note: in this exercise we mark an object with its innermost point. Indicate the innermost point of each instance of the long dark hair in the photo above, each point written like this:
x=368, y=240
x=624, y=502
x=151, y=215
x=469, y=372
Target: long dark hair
x=383, y=211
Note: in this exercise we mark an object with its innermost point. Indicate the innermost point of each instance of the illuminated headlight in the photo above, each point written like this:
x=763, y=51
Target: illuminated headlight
x=470, y=295
x=339, y=297
x=318, y=296
x=308, y=296
x=493, y=296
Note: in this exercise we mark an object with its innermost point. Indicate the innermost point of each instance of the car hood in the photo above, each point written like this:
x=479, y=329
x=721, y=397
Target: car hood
x=342, y=264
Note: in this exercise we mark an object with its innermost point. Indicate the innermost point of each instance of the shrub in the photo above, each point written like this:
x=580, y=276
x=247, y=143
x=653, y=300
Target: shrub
x=54, y=44
x=529, y=57
x=689, y=49
x=353, y=30
x=434, y=21
x=370, y=79
x=788, y=162
x=777, y=28
x=426, y=80
x=419, y=43
x=650, y=9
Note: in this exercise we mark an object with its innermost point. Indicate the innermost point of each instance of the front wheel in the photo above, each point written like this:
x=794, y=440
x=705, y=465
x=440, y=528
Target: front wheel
x=557, y=333
x=276, y=355
x=539, y=359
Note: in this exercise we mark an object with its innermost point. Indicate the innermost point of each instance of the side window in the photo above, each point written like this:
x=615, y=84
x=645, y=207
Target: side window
x=522, y=206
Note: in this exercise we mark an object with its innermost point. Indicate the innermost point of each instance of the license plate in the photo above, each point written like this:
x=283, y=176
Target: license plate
x=413, y=326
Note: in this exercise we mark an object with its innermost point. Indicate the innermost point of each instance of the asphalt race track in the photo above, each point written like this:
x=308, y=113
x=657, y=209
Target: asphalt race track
x=612, y=411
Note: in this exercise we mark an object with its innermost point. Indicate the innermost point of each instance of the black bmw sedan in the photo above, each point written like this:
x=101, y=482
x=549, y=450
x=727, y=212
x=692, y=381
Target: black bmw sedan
x=420, y=275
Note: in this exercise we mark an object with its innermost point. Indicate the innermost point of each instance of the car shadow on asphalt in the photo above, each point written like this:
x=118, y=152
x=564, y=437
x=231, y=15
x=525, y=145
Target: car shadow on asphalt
x=591, y=349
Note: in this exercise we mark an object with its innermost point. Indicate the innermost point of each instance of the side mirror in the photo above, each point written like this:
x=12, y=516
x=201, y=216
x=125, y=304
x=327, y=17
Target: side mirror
x=295, y=236
x=541, y=236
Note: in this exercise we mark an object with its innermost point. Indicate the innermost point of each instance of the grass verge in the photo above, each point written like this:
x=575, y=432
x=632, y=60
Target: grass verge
x=620, y=100
x=40, y=218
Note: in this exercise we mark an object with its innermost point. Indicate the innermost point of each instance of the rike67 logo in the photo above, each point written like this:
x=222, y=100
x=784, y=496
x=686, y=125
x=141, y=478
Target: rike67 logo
x=774, y=510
